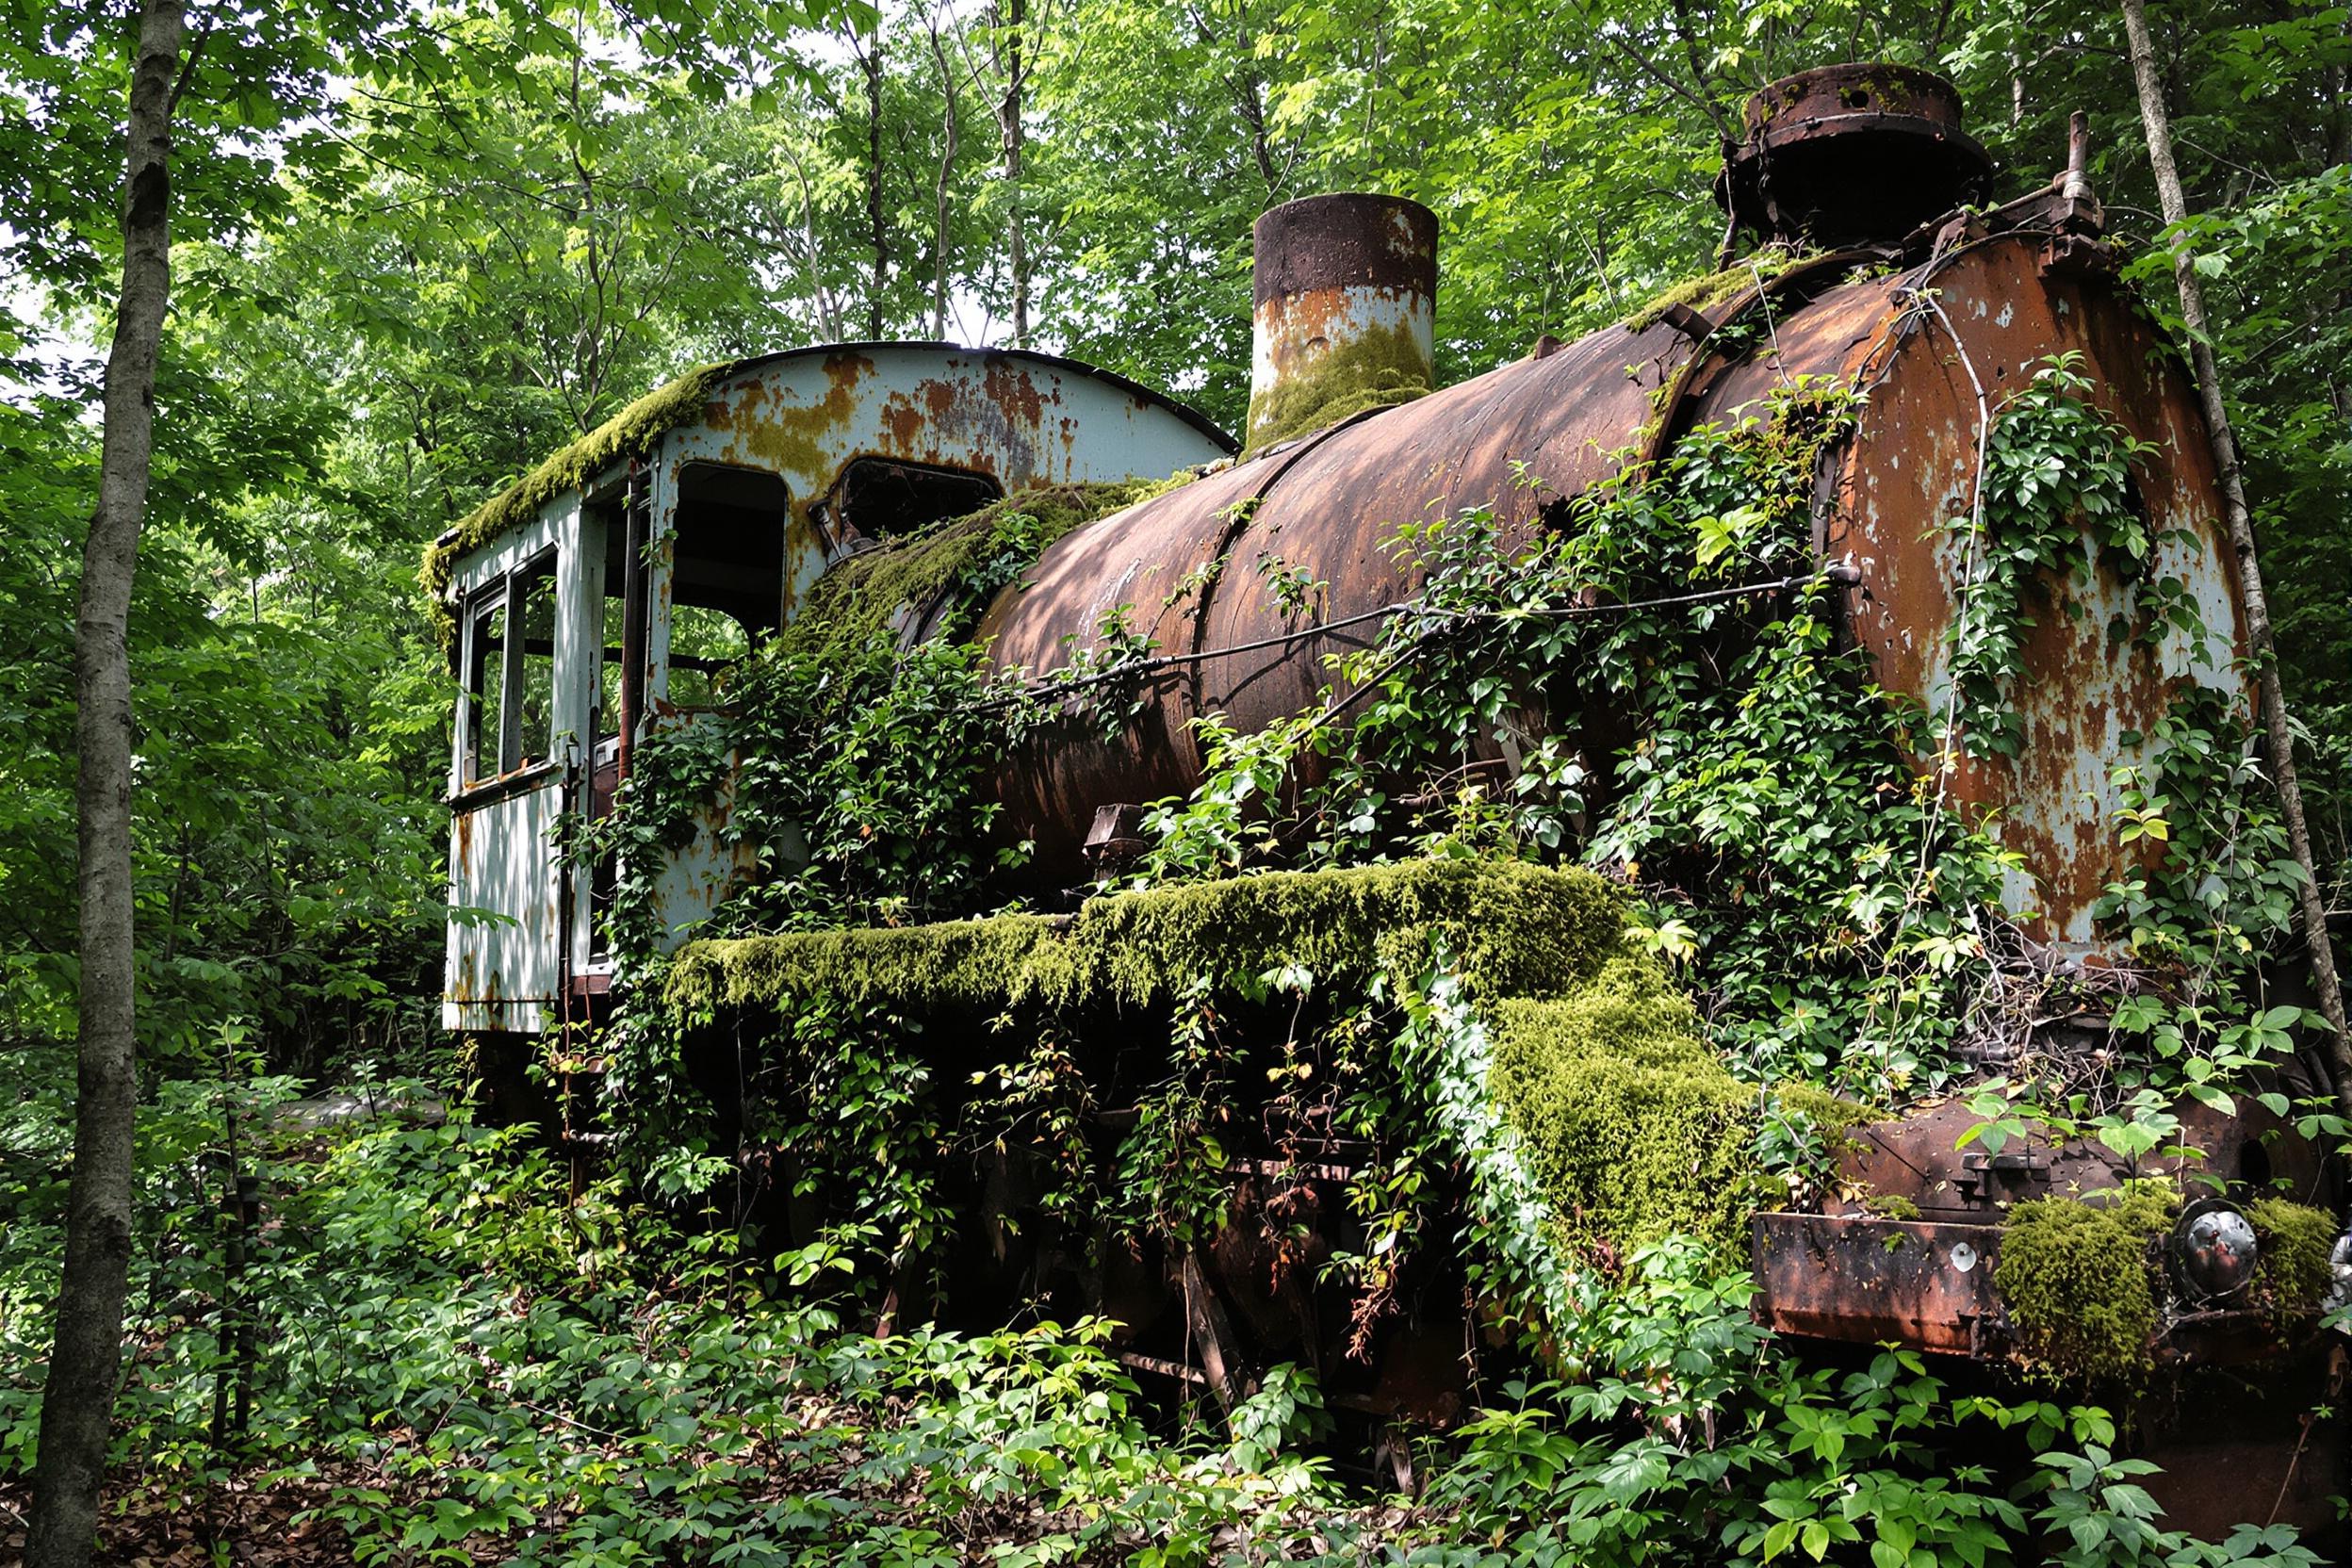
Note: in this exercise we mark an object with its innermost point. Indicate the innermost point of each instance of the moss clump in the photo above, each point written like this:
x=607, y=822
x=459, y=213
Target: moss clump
x=1706, y=293
x=631, y=432
x=1514, y=929
x=860, y=598
x=1381, y=368
x=2291, y=1271
x=1628, y=1121
x=1891, y=1205
x=915, y=968
x=2077, y=1283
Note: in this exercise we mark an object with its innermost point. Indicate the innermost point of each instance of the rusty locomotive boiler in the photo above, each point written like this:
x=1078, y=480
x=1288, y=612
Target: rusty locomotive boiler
x=595, y=601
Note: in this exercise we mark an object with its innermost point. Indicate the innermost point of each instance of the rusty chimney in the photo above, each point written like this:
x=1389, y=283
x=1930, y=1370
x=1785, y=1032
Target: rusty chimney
x=1346, y=300
x=1849, y=156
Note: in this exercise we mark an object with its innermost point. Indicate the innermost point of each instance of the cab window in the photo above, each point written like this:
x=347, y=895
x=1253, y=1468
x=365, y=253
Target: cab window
x=508, y=692
x=727, y=575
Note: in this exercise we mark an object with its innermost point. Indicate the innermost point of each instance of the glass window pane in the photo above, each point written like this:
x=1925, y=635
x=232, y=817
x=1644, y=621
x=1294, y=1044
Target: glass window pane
x=535, y=711
x=484, y=686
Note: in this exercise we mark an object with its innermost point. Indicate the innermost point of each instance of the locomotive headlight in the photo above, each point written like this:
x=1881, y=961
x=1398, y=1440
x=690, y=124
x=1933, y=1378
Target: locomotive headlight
x=2214, y=1250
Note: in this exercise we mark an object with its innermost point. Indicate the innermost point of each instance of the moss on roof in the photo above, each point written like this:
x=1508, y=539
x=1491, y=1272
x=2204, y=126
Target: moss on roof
x=1711, y=290
x=631, y=432
x=860, y=598
x=1520, y=930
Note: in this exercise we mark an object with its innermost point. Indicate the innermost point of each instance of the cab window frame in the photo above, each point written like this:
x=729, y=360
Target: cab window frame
x=492, y=747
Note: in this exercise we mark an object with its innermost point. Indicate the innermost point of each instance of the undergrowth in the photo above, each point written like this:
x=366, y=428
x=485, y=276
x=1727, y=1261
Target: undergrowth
x=454, y=1365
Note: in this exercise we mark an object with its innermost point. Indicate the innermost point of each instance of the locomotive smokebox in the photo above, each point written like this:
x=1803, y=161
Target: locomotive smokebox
x=1346, y=300
x=1851, y=156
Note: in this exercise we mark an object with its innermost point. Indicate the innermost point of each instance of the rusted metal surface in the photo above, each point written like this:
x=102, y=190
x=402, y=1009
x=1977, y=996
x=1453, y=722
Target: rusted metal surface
x=1197, y=582
x=2233, y=1448
x=1927, y=1285
x=1920, y=1159
x=1203, y=567
x=1850, y=155
x=1343, y=283
x=1822, y=1275
x=2086, y=699
x=1720, y=353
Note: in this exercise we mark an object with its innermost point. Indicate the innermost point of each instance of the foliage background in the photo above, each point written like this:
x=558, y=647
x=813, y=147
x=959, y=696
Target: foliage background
x=390, y=299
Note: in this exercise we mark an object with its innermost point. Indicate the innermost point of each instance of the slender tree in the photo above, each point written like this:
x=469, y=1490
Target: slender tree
x=2156, y=118
x=870, y=65
x=274, y=60
x=1010, y=17
x=77, y=1403
x=943, y=188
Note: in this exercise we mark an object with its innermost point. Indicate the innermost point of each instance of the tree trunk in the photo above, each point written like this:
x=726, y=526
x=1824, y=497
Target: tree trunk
x=2157, y=120
x=951, y=135
x=77, y=1403
x=871, y=60
x=1011, y=16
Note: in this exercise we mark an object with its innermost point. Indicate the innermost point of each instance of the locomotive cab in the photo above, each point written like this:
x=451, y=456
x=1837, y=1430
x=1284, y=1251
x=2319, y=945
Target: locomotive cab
x=616, y=587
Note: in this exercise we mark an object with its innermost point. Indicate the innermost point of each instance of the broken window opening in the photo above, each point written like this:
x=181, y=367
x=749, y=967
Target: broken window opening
x=727, y=575
x=610, y=636
x=532, y=608
x=706, y=645
x=507, y=699
x=880, y=498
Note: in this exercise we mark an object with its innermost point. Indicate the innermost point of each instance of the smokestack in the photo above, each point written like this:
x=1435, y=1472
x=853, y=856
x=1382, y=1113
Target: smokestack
x=1346, y=301
x=1851, y=156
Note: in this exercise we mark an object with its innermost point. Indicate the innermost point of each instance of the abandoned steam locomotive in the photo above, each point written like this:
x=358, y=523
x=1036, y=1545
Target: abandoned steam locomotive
x=594, y=601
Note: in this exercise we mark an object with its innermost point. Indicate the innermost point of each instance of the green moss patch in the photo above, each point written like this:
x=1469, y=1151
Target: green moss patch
x=631, y=432
x=2291, y=1271
x=1515, y=929
x=1628, y=1121
x=2078, y=1285
x=857, y=599
x=1707, y=293
x=1381, y=368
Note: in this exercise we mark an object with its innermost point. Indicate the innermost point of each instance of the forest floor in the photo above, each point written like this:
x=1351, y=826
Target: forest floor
x=157, y=1523
x=455, y=1361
